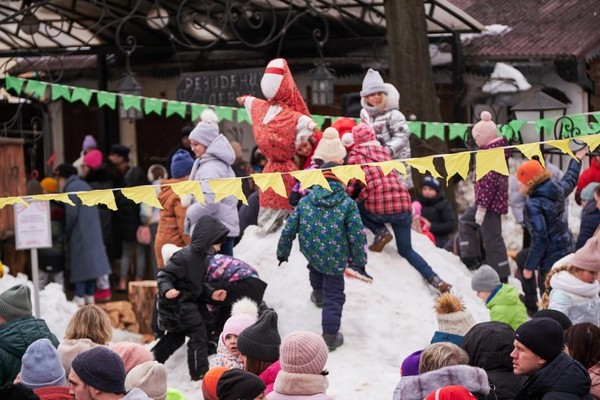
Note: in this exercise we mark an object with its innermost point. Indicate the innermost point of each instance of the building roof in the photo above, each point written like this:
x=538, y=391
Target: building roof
x=538, y=29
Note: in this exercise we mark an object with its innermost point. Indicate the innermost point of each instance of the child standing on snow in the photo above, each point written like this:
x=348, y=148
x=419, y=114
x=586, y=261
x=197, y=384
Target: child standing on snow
x=330, y=233
x=573, y=289
x=500, y=298
x=383, y=200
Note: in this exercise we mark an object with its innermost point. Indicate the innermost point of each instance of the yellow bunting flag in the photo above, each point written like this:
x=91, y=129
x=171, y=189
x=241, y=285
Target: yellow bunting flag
x=142, y=194
x=562, y=145
x=457, y=164
x=593, y=141
x=64, y=197
x=532, y=149
x=348, y=172
x=424, y=164
x=270, y=180
x=189, y=187
x=488, y=161
x=96, y=197
x=227, y=187
x=309, y=177
x=6, y=201
x=389, y=166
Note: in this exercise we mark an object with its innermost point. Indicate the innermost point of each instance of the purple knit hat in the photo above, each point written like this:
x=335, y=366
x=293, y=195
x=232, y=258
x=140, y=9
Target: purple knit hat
x=410, y=365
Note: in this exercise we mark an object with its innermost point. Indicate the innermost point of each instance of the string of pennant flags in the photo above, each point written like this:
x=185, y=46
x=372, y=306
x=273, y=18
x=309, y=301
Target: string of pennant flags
x=151, y=105
x=457, y=163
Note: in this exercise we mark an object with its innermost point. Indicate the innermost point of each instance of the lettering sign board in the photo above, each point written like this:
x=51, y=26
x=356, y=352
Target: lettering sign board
x=32, y=225
x=219, y=88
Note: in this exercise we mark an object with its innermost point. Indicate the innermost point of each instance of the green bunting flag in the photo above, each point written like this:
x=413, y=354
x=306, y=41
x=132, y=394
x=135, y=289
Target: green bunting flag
x=106, y=99
x=176, y=107
x=319, y=119
x=457, y=131
x=434, y=129
x=415, y=127
x=516, y=125
x=547, y=124
x=243, y=116
x=14, y=83
x=60, y=91
x=197, y=110
x=82, y=94
x=153, y=106
x=224, y=113
x=36, y=88
x=130, y=101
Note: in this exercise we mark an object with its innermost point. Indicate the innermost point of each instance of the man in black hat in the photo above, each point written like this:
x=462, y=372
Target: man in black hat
x=538, y=354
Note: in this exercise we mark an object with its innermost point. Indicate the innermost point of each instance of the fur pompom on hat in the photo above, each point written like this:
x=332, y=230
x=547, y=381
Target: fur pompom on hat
x=261, y=340
x=363, y=133
x=330, y=146
x=49, y=184
x=150, y=377
x=303, y=353
x=372, y=83
x=133, y=354
x=15, y=303
x=207, y=129
x=344, y=127
x=485, y=279
x=529, y=170
x=243, y=314
x=588, y=257
x=452, y=316
x=93, y=159
x=485, y=130
x=41, y=366
x=543, y=336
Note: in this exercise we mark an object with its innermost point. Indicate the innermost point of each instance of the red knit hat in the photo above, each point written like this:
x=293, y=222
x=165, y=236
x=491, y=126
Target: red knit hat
x=529, y=170
x=454, y=392
x=209, y=382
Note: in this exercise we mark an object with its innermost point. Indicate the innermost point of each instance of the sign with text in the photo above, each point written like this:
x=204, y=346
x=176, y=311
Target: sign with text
x=219, y=88
x=32, y=225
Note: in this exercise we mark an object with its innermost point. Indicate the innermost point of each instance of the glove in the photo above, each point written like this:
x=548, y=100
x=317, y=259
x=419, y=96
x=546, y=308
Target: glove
x=281, y=260
x=480, y=215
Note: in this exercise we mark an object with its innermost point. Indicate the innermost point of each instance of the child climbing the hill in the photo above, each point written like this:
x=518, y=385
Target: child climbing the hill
x=573, y=289
x=384, y=199
x=330, y=233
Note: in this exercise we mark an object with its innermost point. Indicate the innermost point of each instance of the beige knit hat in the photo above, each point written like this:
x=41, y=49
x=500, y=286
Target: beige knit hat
x=330, y=147
x=588, y=257
x=452, y=316
x=303, y=353
x=150, y=377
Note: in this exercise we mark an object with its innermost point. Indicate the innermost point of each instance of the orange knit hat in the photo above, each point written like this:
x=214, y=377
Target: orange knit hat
x=529, y=170
x=210, y=380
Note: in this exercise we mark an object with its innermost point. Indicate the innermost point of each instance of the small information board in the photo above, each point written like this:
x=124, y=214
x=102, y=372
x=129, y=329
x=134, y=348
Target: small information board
x=32, y=225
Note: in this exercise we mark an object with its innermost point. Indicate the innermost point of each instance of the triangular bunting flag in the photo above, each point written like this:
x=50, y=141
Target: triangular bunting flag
x=415, y=127
x=389, y=166
x=562, y=145
x=319, y=119
x=424, y=164
x=152, y=105
x=242, y=116
x=130, y=101
x=575, y=125
x=310, y=177
x=490, y=160
x=6, y=201
x=63, y=197
x=176, y=107
x=348, y=172
x=532, y=149
x=96, y=197
x=36, y=88
x=457, y=131
x=546, y=124
x=106, y=99
x=197, y=110
x=142, y=194
x=60, y=91
x=189, y=187
x=593, y=141
x=224, y=113
x=82, y=94
x=457, y=163
x=14, y=83
x=516, y=125
x=270, y=180
x=434, y=129
x=227, y=187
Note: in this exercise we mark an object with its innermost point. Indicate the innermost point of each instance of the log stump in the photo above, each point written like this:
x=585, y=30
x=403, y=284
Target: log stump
x=141, y=296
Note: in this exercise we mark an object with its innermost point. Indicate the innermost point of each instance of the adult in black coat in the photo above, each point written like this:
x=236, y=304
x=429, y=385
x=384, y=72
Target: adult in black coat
x=489, y=345
x=183, y=295
x=437, y=210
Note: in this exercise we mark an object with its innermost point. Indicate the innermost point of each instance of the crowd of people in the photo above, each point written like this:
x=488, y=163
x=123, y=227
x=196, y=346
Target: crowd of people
x=535, y=345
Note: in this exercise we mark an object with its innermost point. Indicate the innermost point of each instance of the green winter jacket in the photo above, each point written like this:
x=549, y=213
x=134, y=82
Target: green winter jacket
x=329, y=230
x=15, y=337
x=505, y=306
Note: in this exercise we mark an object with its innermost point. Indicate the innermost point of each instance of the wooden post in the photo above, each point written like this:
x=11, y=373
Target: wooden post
x=141, y=297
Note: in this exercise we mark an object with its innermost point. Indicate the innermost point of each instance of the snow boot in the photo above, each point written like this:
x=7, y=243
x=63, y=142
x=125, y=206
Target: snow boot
x=317, y=298
x=333, y=340
x=381, y=239
x=358, y=273
x=80, y=301
x=472, y=263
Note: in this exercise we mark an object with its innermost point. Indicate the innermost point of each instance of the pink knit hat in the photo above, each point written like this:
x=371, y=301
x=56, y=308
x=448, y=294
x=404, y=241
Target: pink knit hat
x=363, y=133
x=93, y=159
x=303, y=353
x=237, y=323
x=133, y=354
x=588, y=257
x=485, y=130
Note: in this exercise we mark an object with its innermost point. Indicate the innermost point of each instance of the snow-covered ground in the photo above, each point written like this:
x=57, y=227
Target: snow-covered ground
x=382, y=323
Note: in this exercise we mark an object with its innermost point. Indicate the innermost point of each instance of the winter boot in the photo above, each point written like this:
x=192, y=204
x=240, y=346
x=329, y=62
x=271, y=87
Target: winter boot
x=439, y=284
x=102, y=295
x=381, y=239
x=333, y=340
x=358, y=273
x=80, y=301
x=472, y=263
x=317, y=298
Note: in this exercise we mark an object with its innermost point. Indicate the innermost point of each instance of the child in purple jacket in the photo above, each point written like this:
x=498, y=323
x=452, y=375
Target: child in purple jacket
x=481, y=224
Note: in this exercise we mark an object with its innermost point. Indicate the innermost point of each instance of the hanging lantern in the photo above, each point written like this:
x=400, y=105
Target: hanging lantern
x=130, y=86
x=322, y=85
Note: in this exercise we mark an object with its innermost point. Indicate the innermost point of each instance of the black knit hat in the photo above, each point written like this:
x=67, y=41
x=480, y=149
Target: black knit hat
x=543, y=336
x=261, y=340
x=237, y=384
x=556, y=315
x=65, y=170
x=120, y=150
x=101, y=368
x=17, y=391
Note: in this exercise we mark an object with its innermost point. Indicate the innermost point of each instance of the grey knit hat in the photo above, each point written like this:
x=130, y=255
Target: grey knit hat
x=261, y=340
x=485, y=279
x=372, y=83
x=41, y=366
x=15, y=303
x=101, y=368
